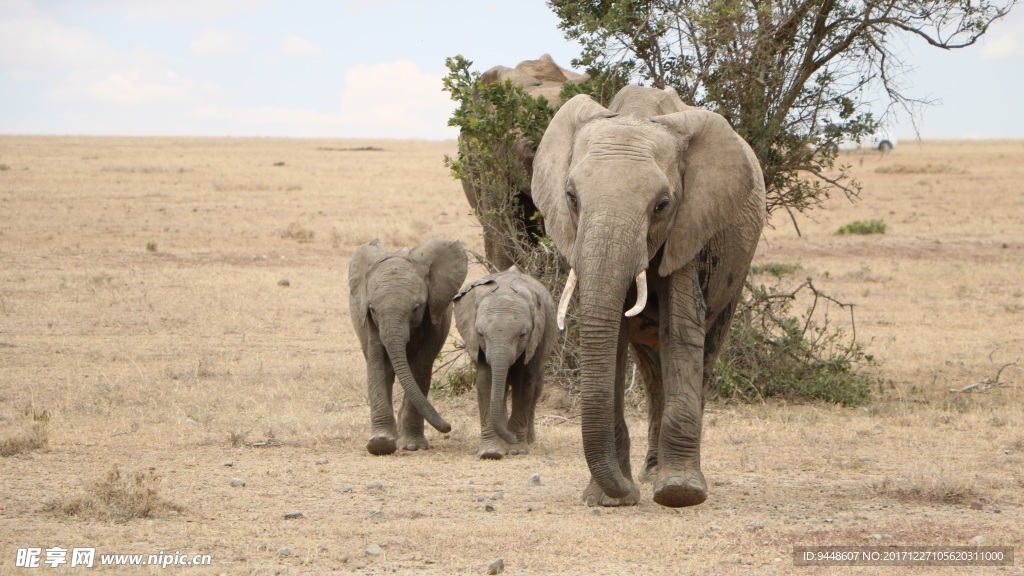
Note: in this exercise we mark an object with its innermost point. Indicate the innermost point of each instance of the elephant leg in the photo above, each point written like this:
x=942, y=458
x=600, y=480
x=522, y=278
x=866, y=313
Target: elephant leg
x=648, y=363
x=679, y=481
x=491, y=447
x=380, y=380
x=522, y=400
x=535, y=385
x=411, y=436
x=593, y=495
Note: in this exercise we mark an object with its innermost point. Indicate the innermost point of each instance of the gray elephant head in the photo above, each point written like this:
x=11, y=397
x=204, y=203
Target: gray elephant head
x=394, y=293
x=504, y=318
x=647, y=182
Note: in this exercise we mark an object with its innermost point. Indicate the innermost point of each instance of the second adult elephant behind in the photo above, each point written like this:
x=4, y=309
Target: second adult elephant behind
x=658, y=203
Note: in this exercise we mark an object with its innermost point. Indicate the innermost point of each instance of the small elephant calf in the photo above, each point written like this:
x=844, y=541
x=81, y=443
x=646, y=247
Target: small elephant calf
x=401, y=308
x=507, y=320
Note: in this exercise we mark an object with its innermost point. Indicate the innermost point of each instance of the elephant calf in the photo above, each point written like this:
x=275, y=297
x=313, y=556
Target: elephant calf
x=401, y=304
x=507, y=320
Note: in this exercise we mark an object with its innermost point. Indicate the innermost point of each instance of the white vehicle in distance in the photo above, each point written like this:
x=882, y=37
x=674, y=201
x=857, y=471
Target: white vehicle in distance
x=882, y=141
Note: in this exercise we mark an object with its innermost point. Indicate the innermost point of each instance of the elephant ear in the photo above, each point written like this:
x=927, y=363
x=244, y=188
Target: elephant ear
x=364, y=257
x=543, y=309
x=466, y=303
x=719, y=173
x=446, y=264
x=551, y=168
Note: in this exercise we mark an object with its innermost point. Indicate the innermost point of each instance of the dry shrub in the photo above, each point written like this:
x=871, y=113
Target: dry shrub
x=21, y=441
x=918, y=169
x=296, y=232
x=118, y=497
x=35, y=437
x=936, y=488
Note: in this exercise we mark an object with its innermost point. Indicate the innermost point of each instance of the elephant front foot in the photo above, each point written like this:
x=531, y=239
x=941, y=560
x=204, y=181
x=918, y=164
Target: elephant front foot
x=594, y=496
x=412, y=442
x=678, y=489
x=493, y=450
x=381, y=444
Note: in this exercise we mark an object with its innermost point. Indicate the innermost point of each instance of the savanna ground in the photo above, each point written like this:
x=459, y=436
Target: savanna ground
x=172, y=306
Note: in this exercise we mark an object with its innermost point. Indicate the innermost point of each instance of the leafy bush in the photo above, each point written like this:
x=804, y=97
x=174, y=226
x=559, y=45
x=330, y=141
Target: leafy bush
x=497, y=122
x=770, y=352
x=777, y=269
x=862, y=227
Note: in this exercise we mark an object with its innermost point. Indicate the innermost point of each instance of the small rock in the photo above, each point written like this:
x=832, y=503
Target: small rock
x=190, y=422
x=346, y=488
x=237, y=482
x=375, y=485
x=873, y=537
x=866, y=459
x=534, y=480
x=286, y=551
x=375, y=513
x=374, y=550
x=976, y=541
x=595, y=511
x=489, y=507
x=754, y=526
x=977, y=505
x=284, y=282
x=496, y=567
x=344, y=559
x=497, y=496
x=714, y=528
x=229, y=463
x=321, y=461
x=294, y=515
x=470, y=481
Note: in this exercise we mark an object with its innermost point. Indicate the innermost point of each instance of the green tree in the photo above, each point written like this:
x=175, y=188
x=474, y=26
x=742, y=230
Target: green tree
x=791, y=76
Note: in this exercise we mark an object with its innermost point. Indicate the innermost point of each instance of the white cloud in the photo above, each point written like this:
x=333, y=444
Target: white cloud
x=1005, y=39
x=219, y=43
x=293, y=45
x=33, y=43
x=1005, y=45
x=394, y=100
x=360, y=5
x=185, y=11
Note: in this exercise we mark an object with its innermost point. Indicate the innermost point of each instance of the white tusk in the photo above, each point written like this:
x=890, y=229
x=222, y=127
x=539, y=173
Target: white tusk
x=641, y=295
x=563, y=302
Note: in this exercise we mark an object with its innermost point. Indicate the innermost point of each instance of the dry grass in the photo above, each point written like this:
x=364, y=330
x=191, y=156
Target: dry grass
x=178, y=361
x=118, y=497
x=34, y=437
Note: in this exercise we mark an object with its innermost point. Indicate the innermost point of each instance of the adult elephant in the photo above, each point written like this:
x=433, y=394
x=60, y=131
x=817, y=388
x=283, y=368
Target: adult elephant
x=669, y=195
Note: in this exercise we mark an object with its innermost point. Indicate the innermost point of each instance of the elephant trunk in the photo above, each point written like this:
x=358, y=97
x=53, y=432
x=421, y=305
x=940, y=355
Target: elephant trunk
x=498, y=413
x=604, y=282
x=395, y=344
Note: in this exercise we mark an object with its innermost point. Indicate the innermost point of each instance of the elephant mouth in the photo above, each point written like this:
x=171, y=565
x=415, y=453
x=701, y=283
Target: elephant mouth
x=570, y=287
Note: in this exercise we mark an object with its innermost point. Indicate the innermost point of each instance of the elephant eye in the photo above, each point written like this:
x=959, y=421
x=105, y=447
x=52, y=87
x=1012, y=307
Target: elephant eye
x=522, y=333
x=572, y=199
x=660, y=206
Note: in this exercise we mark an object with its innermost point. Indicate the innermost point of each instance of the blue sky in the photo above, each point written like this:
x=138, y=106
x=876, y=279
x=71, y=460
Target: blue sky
x=355, y=68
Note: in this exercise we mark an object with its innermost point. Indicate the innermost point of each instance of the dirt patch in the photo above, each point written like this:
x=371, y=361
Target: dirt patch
x=177, y=307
